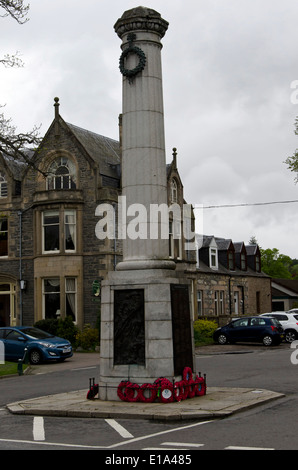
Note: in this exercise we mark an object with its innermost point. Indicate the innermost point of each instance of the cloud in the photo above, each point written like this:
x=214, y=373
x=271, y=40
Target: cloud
x=227, y=73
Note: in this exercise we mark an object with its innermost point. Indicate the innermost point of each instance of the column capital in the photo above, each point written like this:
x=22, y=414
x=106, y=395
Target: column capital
x=141, y=19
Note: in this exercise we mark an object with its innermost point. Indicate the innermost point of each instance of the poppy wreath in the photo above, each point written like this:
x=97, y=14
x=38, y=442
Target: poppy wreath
x=200, y=387
x=152, y=390
x=165, y=390
x=191, y=388
x=92, y=392
x=132, y=392
x=122, y=390
x=162, y=388
x=180, y=390
x=187, y=374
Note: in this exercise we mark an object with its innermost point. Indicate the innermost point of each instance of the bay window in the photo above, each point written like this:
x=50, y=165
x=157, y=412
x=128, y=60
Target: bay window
x=59, y=231
x=60, y=298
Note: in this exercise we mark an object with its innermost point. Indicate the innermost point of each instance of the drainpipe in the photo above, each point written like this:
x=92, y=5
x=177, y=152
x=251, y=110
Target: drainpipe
x=230, y=299
x=20, y=268
x=115, y=241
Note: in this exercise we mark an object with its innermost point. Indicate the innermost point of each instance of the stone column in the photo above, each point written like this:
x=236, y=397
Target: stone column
x=144, y=309
x=144, y=179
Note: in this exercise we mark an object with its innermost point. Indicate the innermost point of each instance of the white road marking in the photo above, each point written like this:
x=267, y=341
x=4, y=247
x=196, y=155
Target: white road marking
x=148, y=436
x=55, y=444
x=164, y=448
x=246, y=448
x=120, y=429
x=38, y=429
x=187, y=444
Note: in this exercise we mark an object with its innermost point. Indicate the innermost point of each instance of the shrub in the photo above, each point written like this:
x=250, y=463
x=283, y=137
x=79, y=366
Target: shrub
x=88, y=338
x=203, y=331
x=67, y=329
x=64, y=328
x=49, y=325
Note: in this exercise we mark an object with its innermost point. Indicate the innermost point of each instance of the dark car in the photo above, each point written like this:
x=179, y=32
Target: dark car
x=41, y=346
x=250, y=329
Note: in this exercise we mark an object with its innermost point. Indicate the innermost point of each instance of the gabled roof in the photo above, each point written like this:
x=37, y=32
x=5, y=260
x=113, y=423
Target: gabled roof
x=252, y=249
x=290, y=285
x=17, y=167
x=208, y=240
x=103, y=150
x=224, y=244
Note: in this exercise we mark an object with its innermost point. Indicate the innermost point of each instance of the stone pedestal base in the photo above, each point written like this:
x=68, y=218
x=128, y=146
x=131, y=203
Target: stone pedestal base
x=137, y=341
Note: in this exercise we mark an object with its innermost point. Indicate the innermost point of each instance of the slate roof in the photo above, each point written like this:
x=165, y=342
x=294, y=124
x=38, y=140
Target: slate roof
x=291, y=284
x=18, y=166
x=103, y=150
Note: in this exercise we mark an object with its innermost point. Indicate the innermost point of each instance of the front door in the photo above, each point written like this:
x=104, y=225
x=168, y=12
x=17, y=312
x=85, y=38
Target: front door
x=7, y=304
x=4, y=309
x=236, y=302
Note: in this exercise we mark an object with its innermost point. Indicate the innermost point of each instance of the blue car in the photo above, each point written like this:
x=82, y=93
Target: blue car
x=251, y=329
x=41, y=346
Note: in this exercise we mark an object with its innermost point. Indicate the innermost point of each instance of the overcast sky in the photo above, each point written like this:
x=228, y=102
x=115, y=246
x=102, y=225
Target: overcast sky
x=228, y=66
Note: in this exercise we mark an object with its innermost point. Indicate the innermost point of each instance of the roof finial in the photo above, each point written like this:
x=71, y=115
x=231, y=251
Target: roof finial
x=56, y=106
x=175, y=157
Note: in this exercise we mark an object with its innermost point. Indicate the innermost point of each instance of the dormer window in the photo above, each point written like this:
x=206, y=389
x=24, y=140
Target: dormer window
x=231, y=260
x=3, y=185
x=61, y=174
x=213, y=258
x=258, y=263
x=243, y=262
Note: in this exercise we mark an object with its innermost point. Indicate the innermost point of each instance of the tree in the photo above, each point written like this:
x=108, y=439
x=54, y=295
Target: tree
x=253, y=240
x=278, y=265
x=13, y=144
x=16, y=9
x=292, y=161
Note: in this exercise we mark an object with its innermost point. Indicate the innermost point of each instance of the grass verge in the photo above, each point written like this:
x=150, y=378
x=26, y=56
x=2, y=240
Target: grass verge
x=10, y=368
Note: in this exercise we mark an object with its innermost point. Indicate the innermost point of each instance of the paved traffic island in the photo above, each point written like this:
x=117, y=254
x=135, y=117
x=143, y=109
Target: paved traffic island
x=217, y=403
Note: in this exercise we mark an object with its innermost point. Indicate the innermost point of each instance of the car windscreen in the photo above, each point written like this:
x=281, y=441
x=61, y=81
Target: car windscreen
x=36, y=333
x=275, y=322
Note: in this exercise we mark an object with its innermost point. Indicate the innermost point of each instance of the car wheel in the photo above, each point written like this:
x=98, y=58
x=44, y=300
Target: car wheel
x=35, y=357
x=290, y=336
x=267, y=340
x=222, y=339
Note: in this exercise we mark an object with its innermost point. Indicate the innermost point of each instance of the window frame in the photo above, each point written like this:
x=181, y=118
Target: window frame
x=219, y=302
x=56, y=181
x=174, y=191
x=3, y=185
x=54, y=292
x=213, y=253
x=5, y=238
x=63, y=230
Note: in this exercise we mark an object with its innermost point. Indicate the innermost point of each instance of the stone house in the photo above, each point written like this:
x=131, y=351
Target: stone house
x=230, y=282
x=51, y=262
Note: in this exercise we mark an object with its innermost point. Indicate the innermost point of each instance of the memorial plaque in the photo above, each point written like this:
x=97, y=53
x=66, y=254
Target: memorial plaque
x=182, y=338
x=129, y=327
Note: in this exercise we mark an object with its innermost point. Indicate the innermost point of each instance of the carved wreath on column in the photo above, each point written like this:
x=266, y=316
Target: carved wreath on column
x=131, y=73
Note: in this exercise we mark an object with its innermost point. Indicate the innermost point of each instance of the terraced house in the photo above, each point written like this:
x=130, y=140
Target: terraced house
x=230, y=281
x=52, y=263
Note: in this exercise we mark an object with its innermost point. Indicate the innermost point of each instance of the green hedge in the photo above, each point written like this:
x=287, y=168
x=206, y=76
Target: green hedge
x=203, y=331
